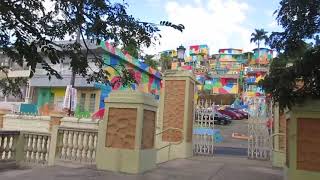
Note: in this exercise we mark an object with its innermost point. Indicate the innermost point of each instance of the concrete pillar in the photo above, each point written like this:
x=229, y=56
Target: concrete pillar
x=174, y=139
x=53, y=145
x=55, y=120
x=2, y=113
x=126, y=135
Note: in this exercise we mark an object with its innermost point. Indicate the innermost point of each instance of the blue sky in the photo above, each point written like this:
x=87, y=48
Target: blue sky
x=217, y=23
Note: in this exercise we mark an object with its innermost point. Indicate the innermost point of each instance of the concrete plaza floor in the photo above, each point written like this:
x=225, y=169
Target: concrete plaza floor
x=195, y=168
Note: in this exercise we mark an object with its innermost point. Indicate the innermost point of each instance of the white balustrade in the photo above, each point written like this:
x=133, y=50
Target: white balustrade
x=36, y=147
x=77, y=145
x=7, y=145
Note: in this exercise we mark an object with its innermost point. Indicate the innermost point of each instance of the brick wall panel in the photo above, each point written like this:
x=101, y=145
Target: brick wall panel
x=148, y=131
x=121, y=128
x=173, y=109
x=308, y=144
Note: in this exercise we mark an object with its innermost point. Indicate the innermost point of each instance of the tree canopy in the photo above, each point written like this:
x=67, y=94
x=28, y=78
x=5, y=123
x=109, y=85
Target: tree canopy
x=30, y=31
x=288, y=85
x=150, y=61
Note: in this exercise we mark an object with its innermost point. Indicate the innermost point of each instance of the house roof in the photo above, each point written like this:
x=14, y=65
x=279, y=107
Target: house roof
x=43, y=81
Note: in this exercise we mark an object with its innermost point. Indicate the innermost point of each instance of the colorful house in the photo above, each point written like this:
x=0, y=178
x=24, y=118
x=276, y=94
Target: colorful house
x=198, y=56
x=261, y=56
x=49, y=94
x=226, y=69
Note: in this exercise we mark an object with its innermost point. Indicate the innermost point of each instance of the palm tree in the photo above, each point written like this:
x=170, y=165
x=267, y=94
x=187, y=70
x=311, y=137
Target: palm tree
x=258, y=36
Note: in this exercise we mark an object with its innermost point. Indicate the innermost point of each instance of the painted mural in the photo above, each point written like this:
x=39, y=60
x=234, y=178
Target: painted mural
x=147, y=79
x=254, y=77
x=264, y=58
x=222, y=86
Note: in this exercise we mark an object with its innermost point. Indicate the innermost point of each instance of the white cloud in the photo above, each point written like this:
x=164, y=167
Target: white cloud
x=273, y=24
x=217, y=23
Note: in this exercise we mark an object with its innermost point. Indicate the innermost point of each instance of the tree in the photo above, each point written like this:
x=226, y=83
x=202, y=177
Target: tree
x=288, y=85
x=165, y=61
x=300, y=20
x=150, y=61
x=29, y=32
x=258, y=36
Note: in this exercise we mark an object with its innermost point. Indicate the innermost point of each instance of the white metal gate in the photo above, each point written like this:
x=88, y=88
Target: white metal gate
x=259, y=146
x=259, y=142
x=203, y=128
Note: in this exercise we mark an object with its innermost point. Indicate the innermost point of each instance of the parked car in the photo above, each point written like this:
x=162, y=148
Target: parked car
x=221, y=119
x=239, y=111
x=231, y=114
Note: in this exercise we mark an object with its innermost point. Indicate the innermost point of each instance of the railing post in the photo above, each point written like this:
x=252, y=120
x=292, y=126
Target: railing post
x=53, y=145
x=19, y=148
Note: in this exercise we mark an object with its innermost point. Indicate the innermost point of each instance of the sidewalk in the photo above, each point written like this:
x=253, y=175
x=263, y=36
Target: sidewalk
x=196, y=168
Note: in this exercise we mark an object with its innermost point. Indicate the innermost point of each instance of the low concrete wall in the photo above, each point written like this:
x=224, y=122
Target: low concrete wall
x=26, y=123
x=82, y=123
x=45, y=123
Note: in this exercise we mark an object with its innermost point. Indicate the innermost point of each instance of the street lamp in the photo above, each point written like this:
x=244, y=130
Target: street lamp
x=181, y=50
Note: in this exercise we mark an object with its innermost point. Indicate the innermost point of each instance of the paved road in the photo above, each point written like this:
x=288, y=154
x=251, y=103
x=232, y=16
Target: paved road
x=196, y=168
x=237, y=126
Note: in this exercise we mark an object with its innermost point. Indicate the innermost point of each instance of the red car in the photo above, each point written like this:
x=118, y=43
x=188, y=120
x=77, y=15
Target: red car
x=231, y=114
x=245, y=115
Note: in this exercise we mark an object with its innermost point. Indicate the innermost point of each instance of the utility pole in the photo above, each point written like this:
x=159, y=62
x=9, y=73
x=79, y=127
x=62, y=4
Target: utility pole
x=73, y=75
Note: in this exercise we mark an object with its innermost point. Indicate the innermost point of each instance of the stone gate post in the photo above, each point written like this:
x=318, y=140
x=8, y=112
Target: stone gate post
x=126, y=137
x=174, y=139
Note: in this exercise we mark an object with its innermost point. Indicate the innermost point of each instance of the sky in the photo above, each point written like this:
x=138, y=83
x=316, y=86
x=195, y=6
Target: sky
x=217, y=23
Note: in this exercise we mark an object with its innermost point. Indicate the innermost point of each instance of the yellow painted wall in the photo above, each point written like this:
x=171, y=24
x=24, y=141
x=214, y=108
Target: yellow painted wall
x=59, y=91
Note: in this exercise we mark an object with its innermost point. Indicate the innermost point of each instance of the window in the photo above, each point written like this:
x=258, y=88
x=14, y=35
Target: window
x=92, y=102
x=59, y=102
x=82, y=102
